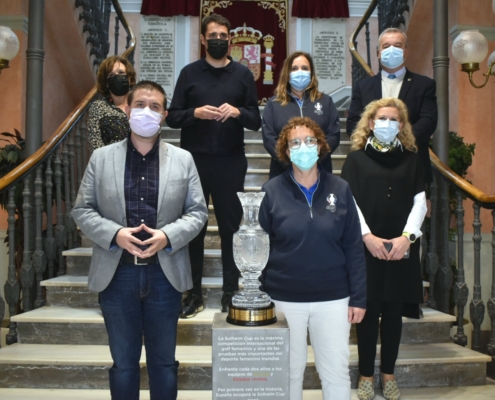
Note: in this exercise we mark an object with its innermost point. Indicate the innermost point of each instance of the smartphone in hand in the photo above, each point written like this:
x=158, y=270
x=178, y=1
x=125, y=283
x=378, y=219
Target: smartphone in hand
x=389, y=246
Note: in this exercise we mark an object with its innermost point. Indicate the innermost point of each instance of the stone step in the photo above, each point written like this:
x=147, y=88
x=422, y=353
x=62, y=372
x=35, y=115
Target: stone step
x=70, y=325
x=79, y=260
x=255, y=146
x=484, y=392
x=86, y=367
x=257, y=161
x=72, y=291
x=171, y=133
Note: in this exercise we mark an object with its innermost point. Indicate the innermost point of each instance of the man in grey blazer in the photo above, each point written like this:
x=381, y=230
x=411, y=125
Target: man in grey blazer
x=141, y=203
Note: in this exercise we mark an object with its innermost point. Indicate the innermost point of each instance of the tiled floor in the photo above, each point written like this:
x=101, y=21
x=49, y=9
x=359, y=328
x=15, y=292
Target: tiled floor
x=452, y=393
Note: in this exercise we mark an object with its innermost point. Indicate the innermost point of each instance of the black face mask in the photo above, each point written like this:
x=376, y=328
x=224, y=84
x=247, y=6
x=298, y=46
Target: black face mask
x=118, y=85
x=217, y=48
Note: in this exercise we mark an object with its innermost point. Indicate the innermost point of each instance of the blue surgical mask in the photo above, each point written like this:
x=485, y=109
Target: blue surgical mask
x=304, y=157
x=385, y=130
x=392, y=57
x=300, y=79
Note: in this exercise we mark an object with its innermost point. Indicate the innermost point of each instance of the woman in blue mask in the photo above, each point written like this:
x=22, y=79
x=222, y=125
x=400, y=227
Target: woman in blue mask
x=316, y=272
x=297, y=95
x=387, y=180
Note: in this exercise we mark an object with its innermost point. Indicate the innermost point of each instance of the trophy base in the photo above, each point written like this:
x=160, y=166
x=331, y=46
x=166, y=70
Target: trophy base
x=251, y=316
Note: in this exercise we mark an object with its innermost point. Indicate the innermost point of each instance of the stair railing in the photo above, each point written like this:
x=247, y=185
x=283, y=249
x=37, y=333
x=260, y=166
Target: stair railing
x=54, y=174
x=435, y=252
x=464, y=190
x=360, y=68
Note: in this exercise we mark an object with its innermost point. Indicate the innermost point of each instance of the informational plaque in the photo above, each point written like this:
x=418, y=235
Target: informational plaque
x=157, y=51
x=251, y=363
x=329, y=53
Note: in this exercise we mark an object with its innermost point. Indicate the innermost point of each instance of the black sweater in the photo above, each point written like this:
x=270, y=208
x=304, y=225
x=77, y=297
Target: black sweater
x=315, y=254
x=200, y=84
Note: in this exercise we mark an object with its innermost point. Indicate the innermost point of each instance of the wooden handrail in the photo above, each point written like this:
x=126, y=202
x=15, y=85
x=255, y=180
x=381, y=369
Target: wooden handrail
x=49, y=145
x=487, y=201
x=471, y=191
x=53, y=141
x=354, y=34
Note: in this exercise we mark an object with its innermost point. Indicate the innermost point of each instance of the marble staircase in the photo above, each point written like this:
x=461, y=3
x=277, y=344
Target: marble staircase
x=63, y=354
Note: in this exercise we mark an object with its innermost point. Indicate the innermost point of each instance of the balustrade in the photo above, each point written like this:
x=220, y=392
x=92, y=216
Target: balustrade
x=39, y=233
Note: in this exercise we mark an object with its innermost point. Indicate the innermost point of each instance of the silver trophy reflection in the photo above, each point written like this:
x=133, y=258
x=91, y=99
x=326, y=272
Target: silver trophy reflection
x=251, y=306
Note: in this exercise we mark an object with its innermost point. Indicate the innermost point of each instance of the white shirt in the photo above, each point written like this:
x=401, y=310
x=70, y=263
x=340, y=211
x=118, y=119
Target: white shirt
x=391, y=87
x=414, y=220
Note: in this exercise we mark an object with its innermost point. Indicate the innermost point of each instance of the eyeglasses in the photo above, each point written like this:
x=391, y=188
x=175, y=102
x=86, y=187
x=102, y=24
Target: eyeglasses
x=223, y=36
x=310, y=141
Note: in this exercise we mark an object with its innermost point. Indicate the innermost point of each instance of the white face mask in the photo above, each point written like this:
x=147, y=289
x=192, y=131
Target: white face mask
x=385, y=130
x=145, y=122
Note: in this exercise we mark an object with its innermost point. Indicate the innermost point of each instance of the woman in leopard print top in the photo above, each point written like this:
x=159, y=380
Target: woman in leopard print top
x=108, y=122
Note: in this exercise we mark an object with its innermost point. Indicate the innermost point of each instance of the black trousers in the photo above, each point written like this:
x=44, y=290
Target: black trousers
x=221, y=177
x=390, y=333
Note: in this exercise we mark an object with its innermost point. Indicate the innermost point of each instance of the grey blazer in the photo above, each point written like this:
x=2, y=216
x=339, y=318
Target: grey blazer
x=99, y=211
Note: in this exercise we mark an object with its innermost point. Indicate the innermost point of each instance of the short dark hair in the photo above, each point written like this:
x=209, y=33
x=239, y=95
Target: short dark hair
x=216, y=18
x=106, y=67
x=147, y=85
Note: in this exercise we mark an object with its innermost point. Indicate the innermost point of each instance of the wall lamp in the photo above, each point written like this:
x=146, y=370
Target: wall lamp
x=9, y=46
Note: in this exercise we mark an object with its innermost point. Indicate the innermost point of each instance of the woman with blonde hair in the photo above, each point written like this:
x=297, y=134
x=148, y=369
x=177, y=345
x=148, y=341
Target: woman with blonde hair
x=387, y=180
x=297, y=95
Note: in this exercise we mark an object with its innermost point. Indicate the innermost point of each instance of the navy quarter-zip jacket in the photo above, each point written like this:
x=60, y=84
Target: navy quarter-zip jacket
x=315, y=254
x=322, y=111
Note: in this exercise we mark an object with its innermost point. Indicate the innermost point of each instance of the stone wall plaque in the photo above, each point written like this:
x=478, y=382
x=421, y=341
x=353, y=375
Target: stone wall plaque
x=329, y=53
x=157, y=51
x=250, y=363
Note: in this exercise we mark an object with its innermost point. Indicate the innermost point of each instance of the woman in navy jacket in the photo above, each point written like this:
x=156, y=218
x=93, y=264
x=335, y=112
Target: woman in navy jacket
x=316, y=271
x=297, y=95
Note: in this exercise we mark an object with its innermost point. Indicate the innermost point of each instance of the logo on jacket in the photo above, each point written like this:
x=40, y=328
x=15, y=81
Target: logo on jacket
x=318, y=109
x=332, y=200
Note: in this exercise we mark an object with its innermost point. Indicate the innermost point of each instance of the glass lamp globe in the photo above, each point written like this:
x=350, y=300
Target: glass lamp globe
x=491, y=59
x=9, y=46
x=470, y=47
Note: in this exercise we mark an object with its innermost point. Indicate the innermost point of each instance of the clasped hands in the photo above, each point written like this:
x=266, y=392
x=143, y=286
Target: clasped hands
x=376, y=247
x=155, y=243
x=221, y=113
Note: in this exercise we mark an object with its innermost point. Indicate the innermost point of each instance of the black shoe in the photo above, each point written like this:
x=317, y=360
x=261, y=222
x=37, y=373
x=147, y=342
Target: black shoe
x=226, y=298
x=191, y=305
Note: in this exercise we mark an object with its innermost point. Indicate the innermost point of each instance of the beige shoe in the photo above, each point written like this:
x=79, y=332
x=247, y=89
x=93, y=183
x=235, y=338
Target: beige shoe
x=366, y=390
x=391, y=390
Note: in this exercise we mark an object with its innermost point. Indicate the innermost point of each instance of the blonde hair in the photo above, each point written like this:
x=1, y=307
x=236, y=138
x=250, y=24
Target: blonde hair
x=362, y=132
x=283, y=139
x=283, y=85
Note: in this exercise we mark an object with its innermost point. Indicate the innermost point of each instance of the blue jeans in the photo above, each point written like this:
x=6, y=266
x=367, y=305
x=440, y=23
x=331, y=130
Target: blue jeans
x=141, y=301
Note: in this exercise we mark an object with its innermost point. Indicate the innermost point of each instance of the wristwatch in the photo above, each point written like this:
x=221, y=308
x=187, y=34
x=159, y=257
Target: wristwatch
x=411, y=236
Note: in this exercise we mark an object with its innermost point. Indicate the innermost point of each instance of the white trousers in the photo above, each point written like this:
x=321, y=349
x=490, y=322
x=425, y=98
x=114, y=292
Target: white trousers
x=329, y=333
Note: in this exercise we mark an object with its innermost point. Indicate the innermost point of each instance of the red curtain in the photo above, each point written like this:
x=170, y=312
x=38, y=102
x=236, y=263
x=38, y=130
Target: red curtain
x=320, y=9
x=169, y=8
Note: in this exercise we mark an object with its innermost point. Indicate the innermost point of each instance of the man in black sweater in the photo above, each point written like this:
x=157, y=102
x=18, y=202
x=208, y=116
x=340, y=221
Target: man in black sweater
x=215, y=98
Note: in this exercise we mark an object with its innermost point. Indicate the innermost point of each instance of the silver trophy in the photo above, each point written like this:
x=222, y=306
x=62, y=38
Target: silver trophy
x=251, y=306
